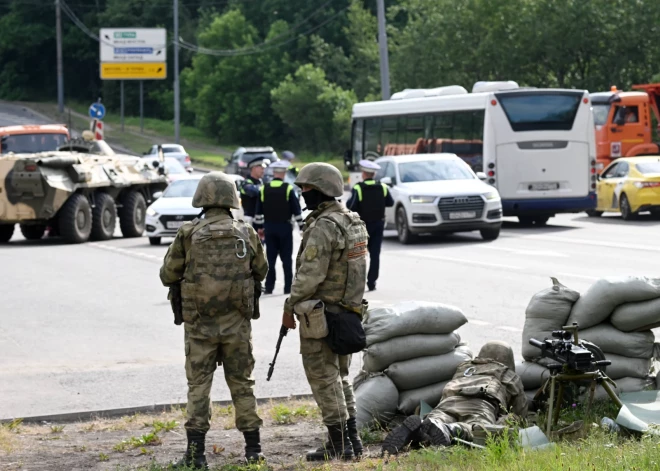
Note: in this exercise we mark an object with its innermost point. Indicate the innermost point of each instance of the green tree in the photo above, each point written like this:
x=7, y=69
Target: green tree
x=317, y=112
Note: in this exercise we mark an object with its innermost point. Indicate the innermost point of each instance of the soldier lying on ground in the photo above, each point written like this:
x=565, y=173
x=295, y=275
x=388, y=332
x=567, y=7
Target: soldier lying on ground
x=479, y=399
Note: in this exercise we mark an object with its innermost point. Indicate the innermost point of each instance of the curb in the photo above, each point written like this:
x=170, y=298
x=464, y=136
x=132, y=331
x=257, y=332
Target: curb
x=155, y=408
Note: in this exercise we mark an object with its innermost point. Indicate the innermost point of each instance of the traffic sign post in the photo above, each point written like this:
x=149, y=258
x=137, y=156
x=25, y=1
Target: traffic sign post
x=97, y=111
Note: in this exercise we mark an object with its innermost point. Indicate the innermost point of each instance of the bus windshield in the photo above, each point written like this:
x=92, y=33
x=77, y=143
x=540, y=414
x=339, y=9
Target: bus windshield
x=28, y=143
x=540, y=111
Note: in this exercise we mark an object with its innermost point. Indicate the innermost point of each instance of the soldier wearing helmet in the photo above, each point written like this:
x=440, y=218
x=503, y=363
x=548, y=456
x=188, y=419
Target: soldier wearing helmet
x=329, y=281
x=482, y=395
x=218, y=262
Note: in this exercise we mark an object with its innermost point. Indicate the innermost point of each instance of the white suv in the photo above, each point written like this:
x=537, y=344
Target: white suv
x=438, y=193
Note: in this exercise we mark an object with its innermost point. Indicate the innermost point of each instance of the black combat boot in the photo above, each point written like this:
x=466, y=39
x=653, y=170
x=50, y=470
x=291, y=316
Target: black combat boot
x=438, y=433
x=354, y=436
x=194, y=457
x=338, y=445
x=253, y=447
x=402, y=435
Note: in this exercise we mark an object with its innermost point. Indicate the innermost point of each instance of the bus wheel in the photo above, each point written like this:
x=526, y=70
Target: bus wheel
x=626, y=211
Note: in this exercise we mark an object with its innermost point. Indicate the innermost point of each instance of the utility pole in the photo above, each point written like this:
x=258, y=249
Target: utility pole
x=382, y=46
x=60, y=70
x=177, y=111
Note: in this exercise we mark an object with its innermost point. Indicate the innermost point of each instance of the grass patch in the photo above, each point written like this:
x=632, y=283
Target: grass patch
x=283, y=414
x=159, y=426
x=103, y=457
x=56, y=428
x=148, y=439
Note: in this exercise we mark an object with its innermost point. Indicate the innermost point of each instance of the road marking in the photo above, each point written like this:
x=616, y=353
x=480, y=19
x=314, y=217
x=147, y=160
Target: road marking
x=574, y=275
x=592, y=242
x=539, y=253
x=131, y=253
x=477, y=322
x=462, y=260
x=510, y=329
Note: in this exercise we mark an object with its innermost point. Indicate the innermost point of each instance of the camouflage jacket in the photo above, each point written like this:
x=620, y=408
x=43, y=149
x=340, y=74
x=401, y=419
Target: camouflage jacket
x=331, y=262
x=489, y=379
x=217, y=282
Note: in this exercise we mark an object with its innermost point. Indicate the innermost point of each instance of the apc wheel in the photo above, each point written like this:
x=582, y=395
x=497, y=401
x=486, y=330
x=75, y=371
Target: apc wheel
x=490, y=233
x=403, y=231
x=104, y=217
x=154, y=240
x=6, y=231
x=75, y=220
x=626, y=211
x=132, y=216
x=33, y=232
x=592, y=213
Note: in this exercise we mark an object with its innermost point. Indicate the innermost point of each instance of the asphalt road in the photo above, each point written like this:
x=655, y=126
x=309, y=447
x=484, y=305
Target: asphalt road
x=88, y=327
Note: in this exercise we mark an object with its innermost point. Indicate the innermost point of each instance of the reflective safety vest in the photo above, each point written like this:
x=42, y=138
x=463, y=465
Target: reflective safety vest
x=275, y=201
x=371, y=196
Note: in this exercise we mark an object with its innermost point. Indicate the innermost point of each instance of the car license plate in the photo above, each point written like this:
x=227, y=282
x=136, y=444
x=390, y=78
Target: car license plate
x=463, y=215
x=174, y=224
x=545, y=186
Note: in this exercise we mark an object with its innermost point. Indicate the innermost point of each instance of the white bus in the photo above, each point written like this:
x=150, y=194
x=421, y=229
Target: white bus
x=536, y=146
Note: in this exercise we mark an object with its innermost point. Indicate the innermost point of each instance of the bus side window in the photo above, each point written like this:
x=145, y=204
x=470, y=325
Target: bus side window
x=358, y=139
x=372, y=143
x=463, y=125
x=443, y=124
x=388, y=138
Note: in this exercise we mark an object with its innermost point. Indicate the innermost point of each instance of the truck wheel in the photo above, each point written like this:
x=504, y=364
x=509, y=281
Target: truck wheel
x=33, y=232
x=6, y=231
x=132, y=216
x=490, y=233
x=626, y=211
x=403, y=231
x=104, y=217
x=75, y=220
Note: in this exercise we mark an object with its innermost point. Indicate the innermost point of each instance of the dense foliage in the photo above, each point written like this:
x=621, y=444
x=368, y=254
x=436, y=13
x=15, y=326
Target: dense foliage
x=303, y=63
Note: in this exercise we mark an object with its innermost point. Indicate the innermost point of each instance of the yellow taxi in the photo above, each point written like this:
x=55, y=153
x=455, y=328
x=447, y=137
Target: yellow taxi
x=629, y=186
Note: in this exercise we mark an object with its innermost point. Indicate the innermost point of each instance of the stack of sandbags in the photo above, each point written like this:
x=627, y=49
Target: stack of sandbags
x=412, y=347
x=616, y=314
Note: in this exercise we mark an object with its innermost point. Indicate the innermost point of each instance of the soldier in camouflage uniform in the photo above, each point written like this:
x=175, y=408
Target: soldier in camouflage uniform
x=482, y=395
x=330, y=267
x=218, y=261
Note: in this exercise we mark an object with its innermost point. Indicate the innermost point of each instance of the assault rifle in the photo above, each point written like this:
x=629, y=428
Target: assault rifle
x=283, y=331
x=577, y=361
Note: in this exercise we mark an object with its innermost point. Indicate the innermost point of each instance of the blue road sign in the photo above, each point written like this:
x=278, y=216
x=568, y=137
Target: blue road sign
x=97, y=111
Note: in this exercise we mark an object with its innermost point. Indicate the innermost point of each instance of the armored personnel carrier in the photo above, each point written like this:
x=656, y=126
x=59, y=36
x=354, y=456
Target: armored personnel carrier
x=77, y=192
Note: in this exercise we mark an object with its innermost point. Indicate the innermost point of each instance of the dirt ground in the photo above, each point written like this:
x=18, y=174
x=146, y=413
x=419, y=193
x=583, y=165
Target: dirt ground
x=130, y=442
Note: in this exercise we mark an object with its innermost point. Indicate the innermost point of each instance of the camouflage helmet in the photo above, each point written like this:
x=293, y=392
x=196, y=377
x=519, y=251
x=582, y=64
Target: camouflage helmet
x=324, y=177
x=215, y=190
x=500, y=352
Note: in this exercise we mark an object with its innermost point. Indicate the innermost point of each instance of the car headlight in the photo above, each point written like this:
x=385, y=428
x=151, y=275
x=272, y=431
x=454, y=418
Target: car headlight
x=493, y=195
x=151, y=212
x=422, y=199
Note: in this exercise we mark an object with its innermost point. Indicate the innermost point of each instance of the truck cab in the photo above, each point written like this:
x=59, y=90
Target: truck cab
x=623, y=124
x=32, y=138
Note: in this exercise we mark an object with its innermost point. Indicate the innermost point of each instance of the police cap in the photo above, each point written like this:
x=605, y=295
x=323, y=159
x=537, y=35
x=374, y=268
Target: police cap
x=280, y=166
x=368, y=166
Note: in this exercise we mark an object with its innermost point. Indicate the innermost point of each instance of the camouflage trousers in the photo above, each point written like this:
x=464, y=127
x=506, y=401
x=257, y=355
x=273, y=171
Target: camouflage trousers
x=465, y=412
x=234, y=351
x=327, y=374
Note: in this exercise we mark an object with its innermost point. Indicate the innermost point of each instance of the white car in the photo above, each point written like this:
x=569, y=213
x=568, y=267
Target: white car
x=175, y=151
x=174, y=207
x=438, y=193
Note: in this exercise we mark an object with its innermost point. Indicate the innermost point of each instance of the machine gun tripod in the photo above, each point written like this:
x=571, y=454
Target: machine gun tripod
x=577, y=361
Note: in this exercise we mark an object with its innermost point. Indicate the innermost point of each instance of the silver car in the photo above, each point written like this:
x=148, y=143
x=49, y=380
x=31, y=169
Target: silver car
x=172, y=150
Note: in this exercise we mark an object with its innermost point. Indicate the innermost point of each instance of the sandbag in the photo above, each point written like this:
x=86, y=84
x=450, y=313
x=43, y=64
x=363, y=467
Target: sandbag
x=409, y=318
x=380, y=355
x=623, y=385
x=410, y=400
x=376, y=399
x=424, y=371
x=624, y=367
x=612, y=340
x=634, y=317
x=600, y=300
x=530, y=393
x=548, y=310
x=532, y=374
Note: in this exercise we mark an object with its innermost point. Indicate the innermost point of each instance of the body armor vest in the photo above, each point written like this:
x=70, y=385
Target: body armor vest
x=275, y=201
x=479, y=379
x=371, y=196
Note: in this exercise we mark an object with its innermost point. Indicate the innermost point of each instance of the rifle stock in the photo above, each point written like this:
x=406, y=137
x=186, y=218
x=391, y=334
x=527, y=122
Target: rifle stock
x=271, y=369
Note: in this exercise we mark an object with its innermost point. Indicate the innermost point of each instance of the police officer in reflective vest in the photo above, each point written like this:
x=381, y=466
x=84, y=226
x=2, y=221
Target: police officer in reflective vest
x=289, y=156
x=369, y=199
x=276, y=206
x=250, y=188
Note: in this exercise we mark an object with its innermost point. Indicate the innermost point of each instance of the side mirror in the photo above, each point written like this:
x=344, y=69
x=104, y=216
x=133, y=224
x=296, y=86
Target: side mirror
x=481, y=176
x=387, y=181
x=158, y=194
x=190, y=170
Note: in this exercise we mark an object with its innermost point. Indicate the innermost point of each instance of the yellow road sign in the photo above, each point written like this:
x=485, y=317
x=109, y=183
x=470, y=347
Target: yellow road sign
x=133, y=71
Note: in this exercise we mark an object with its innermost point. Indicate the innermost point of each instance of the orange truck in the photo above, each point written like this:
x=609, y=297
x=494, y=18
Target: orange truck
x=30, y=138
x=624, y=127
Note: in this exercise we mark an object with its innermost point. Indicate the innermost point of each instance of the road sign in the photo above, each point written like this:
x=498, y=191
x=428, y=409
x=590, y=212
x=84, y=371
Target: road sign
x=133, y=71
x=133, y=45
x=133, y=53
x=97, y=111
